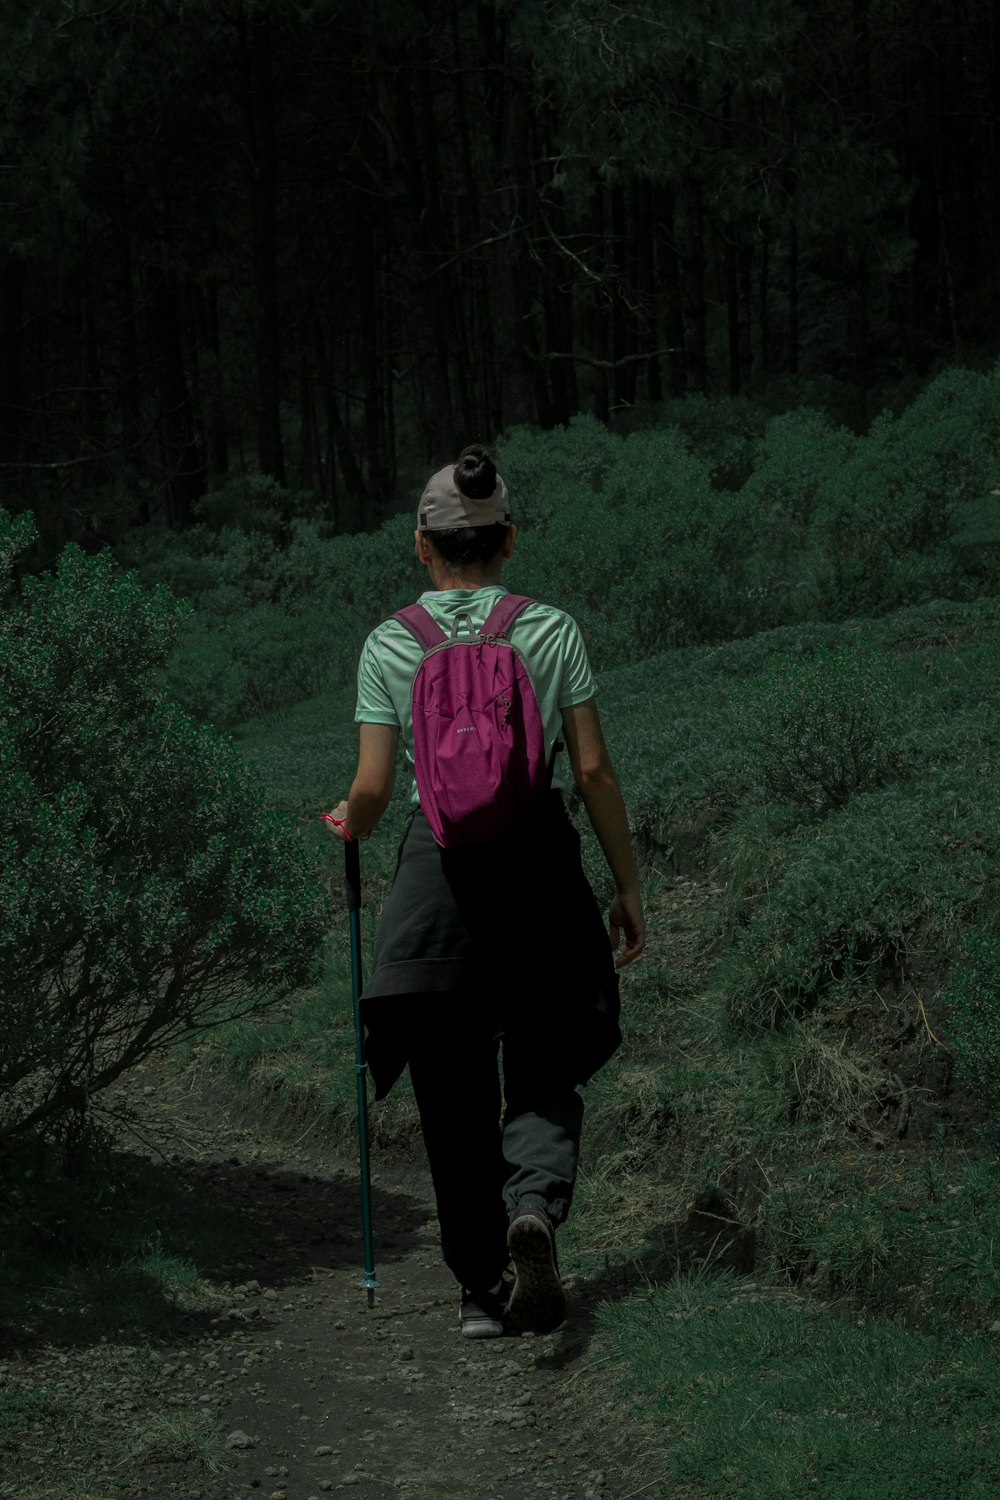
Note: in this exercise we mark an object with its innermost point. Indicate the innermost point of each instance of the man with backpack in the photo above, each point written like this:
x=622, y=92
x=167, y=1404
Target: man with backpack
x=491, y=934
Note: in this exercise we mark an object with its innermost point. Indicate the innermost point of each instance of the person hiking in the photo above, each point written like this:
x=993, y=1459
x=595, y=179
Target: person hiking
x=492, y=941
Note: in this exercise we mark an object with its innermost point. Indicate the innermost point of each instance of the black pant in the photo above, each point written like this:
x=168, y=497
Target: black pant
x=485, y=1167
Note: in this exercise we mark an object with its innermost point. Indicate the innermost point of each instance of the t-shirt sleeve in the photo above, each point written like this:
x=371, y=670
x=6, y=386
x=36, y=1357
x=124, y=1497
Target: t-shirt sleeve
x=577, y=683
x=374, y=705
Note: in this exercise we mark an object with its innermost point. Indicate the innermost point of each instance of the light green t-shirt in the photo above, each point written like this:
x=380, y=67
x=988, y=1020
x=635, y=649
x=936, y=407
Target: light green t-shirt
x=548, y=639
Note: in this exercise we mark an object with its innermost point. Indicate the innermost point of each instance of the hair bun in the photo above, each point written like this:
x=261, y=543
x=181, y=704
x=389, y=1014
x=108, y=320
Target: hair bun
x=475, y=472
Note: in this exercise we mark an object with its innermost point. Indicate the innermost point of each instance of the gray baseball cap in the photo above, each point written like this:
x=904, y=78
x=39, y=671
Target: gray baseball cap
x=443, y=506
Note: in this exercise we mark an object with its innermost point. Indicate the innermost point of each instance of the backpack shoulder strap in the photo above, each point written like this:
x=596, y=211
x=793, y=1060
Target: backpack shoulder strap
x=504, y=613
x=420, y=623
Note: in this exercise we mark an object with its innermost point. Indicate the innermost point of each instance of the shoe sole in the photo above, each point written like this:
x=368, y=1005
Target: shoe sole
x=538, y=1302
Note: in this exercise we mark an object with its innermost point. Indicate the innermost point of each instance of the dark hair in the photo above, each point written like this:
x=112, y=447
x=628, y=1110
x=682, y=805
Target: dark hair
x=457, y=546
x=475, y=472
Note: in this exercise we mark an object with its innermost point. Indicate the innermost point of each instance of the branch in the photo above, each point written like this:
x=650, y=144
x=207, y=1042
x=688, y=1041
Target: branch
x=608, y=364
x=565, y=250
x=494, y=239
x=68, y=463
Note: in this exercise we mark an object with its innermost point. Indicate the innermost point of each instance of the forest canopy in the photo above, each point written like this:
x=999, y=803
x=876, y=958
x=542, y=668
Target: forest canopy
x=330, y=243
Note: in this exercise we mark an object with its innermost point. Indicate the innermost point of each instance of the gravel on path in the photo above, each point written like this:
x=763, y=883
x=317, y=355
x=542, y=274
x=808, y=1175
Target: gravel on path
x=294, y=1388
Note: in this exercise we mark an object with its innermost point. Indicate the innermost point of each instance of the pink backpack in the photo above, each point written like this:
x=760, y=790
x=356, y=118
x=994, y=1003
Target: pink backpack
x=478, y=741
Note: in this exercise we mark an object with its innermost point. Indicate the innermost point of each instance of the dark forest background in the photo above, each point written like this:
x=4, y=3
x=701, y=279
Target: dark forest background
x=331, y=243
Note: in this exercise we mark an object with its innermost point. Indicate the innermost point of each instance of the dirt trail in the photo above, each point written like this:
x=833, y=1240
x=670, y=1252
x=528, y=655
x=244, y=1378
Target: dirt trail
x=312, y=1391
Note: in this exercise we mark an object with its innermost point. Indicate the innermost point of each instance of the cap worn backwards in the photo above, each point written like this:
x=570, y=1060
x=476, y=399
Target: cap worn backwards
x=443, y=505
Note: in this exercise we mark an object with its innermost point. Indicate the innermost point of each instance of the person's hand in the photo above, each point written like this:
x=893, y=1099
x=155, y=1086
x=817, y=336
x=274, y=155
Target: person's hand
x=336, y=822
x=625, y=916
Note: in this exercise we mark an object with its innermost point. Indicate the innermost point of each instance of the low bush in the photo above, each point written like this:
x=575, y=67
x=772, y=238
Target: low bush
x=883, y=519
x=710, y=525
x=146, y=889
x=893, y=1231
x=855, y=894
x=819, y=727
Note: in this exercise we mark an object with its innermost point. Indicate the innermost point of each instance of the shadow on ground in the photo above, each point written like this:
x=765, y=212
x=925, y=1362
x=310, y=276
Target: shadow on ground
x=151, y=1251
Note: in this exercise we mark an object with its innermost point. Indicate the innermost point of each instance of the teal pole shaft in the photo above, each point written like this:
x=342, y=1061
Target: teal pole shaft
x=352, y=867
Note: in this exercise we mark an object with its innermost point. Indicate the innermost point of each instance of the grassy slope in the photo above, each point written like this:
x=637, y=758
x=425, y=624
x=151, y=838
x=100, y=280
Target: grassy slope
x=835, y=1154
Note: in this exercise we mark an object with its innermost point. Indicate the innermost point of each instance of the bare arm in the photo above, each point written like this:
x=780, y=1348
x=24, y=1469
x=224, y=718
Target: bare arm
x=373, y=781
x=598, y=786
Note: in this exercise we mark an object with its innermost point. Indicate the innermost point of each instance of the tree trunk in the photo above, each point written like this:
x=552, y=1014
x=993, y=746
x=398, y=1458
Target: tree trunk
x=733, y=311
x=180, y=461
x=366, y=260
x=673, y=293
x=218, y=436
x=763, y=306
x=622, y=343
x=695, y=314
x=307, y=477
x=993, y=159
x=745, y=331
x=793, y=298
x=341, y=448
x=599, y=337
x=260, y=119
x=129, y=386
x=432, y=391
x=560, y=337
x=12, y=277
x=645, y=238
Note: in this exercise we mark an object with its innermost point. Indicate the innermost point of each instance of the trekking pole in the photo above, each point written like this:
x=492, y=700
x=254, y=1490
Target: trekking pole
x=352, y=869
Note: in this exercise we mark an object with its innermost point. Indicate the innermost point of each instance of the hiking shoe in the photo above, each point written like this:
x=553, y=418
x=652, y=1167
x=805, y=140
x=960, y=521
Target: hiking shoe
x=538, y=1301
x=481, y=1313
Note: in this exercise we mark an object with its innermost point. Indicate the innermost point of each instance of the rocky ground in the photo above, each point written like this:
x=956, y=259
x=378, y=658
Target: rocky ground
x=284, y=1384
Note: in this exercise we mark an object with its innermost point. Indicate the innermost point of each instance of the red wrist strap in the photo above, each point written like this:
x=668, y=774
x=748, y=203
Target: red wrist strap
x=337, y=823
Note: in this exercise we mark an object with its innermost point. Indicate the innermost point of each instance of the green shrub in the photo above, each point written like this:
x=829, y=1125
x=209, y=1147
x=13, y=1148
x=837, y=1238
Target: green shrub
x=904, y=1233
x=145, y=887
x=894, y=863
x=642, y=538
x=562, y=462
x=721, y=431
x=820, y=727
x=253, y=502
x=883, y=519
x=974, y=1011
x=654, y=558
x=975, y=539
x=273, y=624
x=796, y=454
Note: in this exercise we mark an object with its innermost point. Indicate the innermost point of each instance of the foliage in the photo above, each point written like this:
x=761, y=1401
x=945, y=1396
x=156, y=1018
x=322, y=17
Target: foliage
x=722, y=431
x=648, y=560
x=147, y=888
x=761, y=1394
x=252, y=503
x=856, y=892
x=189, y=1437
x=819, y=728
x=897, y=1233
x=973, y=1002
x=273, y=624
x=883, y=518
x=636, y=536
